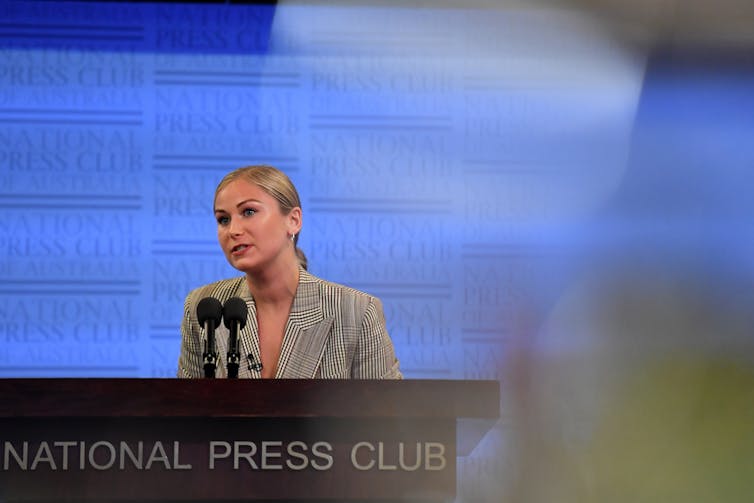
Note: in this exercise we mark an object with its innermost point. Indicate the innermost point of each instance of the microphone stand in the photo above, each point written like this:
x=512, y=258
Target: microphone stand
x=234, y=358
x=210, y=354
x=234, y=314
x=209, y=313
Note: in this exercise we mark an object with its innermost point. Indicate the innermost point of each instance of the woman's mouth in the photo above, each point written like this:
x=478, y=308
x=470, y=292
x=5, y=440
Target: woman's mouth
x=238, y=249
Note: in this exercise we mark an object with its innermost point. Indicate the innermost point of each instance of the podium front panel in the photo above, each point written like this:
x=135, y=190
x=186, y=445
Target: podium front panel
x=229, y=459
x=120, y=440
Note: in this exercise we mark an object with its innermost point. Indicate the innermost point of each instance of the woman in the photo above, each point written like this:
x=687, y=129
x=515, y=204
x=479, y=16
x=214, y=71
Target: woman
x=299, y=326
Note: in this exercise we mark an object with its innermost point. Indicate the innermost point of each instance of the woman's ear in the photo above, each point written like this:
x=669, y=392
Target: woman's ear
x=294, y=220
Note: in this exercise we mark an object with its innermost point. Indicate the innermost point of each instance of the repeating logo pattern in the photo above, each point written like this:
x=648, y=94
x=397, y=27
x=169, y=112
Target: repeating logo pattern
x=438, y=154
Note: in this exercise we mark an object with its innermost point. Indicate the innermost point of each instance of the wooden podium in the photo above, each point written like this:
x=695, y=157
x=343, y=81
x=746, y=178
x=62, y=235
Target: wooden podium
x=131, y=440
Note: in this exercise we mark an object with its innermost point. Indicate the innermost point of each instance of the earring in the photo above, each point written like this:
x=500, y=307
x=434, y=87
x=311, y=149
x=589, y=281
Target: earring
x=293, y=236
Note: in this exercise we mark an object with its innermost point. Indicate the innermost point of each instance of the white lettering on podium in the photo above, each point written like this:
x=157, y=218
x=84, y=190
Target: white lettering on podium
x=295, y=452
x=354, y=454
x=177, y=458
x=158, y=455
x=267, y=454
x=318, y=449
x=92, y=456
x=430, y=456
x=65, y=446
x=238, y=453
x=101, y=455
x=271, y=455
x=402, y=458
x=292, y=455
x=214, y=454
x=43, y=455
x=22, y=460
x=382, y=465
x=434, y=451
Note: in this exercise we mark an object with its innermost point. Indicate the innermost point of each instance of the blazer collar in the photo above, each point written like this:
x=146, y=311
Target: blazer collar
x=305, y=332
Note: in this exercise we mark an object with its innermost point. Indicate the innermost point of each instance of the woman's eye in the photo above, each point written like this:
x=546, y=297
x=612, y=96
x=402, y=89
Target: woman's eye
x=223, y=220
x=248, y=212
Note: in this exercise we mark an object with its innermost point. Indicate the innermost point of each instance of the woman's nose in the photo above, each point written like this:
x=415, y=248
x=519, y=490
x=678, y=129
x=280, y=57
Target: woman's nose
x=234, y=227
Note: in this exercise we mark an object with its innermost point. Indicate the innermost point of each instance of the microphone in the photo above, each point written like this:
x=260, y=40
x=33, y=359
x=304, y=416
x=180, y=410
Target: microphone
x=252, y=364
x=234, y=317
x=209, y=311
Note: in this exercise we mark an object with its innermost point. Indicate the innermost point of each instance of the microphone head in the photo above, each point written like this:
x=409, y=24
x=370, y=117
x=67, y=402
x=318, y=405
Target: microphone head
x=235, y=309
x=209, y=308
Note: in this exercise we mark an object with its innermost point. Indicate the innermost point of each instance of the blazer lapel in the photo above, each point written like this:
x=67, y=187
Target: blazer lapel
x=248, y=341
x=305, y=333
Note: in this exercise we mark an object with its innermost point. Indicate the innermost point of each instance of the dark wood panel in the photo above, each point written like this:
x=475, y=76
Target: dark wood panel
x=248, y=398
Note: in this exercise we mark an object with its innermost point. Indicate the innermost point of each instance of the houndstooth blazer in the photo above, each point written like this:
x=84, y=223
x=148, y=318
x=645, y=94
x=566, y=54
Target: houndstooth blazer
x=333, y=332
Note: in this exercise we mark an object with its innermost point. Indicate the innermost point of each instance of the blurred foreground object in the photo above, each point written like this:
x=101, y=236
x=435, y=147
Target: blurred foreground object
x=639, y=388
x=682, y=430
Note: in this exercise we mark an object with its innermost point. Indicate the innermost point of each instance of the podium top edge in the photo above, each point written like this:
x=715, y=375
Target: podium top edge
x=128, y=397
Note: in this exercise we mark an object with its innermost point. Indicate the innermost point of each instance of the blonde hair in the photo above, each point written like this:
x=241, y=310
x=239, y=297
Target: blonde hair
x=275, y=183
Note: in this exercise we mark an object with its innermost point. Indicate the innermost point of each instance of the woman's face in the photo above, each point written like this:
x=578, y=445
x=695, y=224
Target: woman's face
x=252, y=231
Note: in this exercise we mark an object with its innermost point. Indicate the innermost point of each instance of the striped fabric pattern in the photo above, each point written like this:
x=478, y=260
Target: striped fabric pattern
x=333, y=332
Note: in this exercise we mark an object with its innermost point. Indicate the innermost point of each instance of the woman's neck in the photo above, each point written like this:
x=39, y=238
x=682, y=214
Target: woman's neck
x=274, y=286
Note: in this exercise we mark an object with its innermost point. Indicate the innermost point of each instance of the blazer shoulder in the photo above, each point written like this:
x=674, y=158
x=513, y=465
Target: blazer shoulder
x=348, y=304
x=329, y=288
